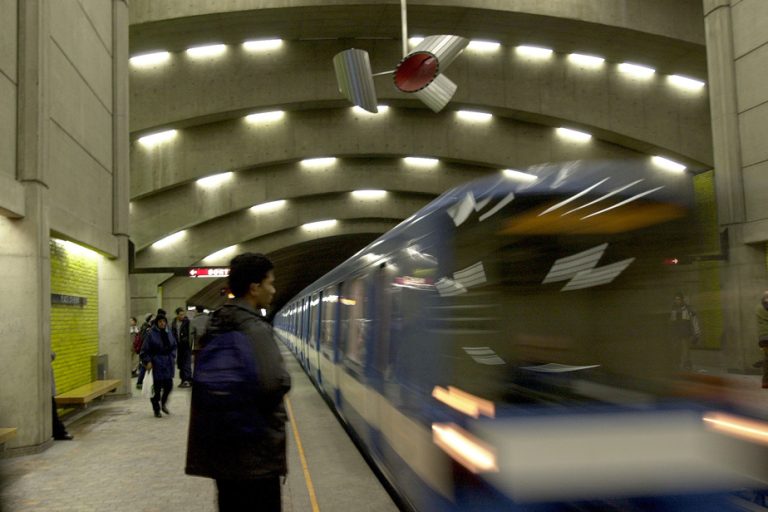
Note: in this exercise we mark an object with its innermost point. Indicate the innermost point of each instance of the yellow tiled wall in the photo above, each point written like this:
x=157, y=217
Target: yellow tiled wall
x=74, y=329
x=707, y=301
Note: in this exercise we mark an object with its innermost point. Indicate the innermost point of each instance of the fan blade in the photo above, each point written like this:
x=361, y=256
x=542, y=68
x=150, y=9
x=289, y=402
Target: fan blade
x=355, y=79
x=445, y=48
x=437, y=94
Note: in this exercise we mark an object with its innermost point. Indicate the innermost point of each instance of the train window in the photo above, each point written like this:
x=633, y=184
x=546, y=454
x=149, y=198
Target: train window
x=328, y=322
x=314, y=310
x=354, y=323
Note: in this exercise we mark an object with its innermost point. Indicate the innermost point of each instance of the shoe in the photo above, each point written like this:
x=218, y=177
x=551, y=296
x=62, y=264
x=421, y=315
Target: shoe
x=139, y=385
x=64, y=437
x=158, y=415
x=165, y=409
x=185, y=384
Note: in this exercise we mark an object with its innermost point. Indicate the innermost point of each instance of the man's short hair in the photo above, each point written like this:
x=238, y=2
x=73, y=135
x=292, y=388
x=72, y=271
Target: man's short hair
x=199, y=309
x=179, y=310
x=247, y=268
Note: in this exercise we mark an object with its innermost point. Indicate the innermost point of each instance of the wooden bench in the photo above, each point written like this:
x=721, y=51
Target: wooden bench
x=87, y=393
x=6, y=434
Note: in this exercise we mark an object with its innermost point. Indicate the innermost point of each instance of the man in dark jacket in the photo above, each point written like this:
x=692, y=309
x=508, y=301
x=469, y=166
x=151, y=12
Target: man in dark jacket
x=247, y=466
x=180, y=329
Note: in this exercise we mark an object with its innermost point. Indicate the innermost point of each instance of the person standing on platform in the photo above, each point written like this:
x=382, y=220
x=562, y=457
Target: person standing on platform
x=135, y=337
x=197, y=328
x=143, y=330
x=762, y=333
x=240, y=442
x=685, y=328
x=59, y=430
x=158, y=353
x=180, y=329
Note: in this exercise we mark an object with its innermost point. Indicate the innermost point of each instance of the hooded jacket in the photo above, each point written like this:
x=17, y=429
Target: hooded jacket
x=159, y=348
x=261, y=454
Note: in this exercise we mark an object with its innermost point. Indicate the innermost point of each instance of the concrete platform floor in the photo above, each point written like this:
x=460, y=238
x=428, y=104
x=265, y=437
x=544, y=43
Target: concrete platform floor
x=125, y=459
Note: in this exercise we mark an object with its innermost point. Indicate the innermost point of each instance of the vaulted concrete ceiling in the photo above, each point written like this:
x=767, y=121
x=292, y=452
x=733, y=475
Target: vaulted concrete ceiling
x=206, y=100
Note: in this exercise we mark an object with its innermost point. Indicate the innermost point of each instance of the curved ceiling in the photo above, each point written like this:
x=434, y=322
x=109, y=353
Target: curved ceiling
x=206, y=101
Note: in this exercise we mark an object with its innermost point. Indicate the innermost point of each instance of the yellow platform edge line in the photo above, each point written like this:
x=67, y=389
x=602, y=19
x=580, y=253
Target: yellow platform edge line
x=304, y=466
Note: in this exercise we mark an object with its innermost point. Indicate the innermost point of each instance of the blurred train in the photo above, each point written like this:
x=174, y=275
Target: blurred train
x=508, y=347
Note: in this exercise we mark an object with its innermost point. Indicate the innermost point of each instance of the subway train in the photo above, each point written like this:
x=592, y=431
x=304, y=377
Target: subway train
x=508, y=347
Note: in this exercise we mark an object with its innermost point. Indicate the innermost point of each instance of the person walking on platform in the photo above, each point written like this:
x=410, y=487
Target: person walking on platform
x=762, y=333
x=180, y=328
x=237, y=418
x=158, y=353
x=197, y=328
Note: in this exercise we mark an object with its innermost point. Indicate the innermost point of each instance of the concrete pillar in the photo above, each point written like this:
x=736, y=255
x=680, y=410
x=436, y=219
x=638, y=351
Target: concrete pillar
x=25, y=361
x=114, y=303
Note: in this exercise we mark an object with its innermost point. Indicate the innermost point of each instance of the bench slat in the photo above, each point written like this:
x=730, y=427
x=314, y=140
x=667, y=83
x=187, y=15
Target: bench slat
x=7, y=434
x=88, y=392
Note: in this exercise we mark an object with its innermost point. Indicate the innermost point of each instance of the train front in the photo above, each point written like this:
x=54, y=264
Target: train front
x=534, y=322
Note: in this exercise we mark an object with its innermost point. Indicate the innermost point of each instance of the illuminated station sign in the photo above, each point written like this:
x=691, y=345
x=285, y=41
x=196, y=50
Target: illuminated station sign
x=214, y=272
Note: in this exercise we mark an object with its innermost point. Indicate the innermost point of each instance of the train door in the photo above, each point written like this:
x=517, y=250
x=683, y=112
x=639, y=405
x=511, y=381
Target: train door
x=328, y=346
x=313, y=327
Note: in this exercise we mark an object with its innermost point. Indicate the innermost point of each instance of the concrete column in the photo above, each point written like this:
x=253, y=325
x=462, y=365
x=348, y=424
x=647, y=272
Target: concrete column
x=725, y=121
x=114, y=304
x=25, y=361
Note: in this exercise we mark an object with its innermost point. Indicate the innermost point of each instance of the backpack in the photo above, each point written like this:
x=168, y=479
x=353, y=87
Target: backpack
x=137, y=341
x=225, y=385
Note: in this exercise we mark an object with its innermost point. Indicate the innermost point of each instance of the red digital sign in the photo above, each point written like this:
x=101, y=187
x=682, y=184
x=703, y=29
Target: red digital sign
x=209, y=272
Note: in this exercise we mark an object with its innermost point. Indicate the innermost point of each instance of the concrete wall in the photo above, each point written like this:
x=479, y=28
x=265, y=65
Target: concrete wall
x=655, y=16
x=63, y=170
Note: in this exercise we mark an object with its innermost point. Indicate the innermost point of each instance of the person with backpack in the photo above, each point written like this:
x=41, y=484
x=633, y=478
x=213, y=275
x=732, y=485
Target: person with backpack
x=237, y=418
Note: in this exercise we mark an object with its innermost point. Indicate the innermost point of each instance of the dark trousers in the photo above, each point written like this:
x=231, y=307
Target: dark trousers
x=142, y=371
x=260, y=495
x=185, y=364
x=59, y=430
x=162, y=388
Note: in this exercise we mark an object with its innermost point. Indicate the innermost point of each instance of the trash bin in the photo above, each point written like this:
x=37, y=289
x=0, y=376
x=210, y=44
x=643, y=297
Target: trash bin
x=99, y=367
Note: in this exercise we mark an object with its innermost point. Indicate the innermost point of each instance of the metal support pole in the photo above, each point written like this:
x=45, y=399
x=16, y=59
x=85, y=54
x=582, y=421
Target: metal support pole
x=404, y=23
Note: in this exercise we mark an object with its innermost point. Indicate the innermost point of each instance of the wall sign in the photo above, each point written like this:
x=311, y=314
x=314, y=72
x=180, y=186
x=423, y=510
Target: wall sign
x=209, y=272
x=68, y=300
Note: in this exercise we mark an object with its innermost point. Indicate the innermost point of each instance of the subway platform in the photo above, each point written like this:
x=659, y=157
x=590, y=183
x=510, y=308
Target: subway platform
x=124, y=459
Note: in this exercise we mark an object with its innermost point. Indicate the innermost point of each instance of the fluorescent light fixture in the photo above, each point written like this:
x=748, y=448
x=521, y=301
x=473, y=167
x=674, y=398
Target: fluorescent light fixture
x=170, y=239
x=318, y=162
x=262, y=44
x=636, y=70
x=519, y=176
x=321, y=224
x=265, y=117
x=667, y=164
x=586, y=60
x=223, y=253
x=414, y=41
x=210, y=50
x=369, y=194
x=685, y=82
x=359, y=110
x=573, y=134
x=418, y=161
x=534, y=51
x=72, y=247
x=149, y=59
x=216, y=179
x=268, y=207
x=483, y=46
x=471, y=115
x=154, y=139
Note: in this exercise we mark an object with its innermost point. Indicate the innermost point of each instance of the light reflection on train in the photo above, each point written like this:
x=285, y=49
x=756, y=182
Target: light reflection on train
x=507, y=348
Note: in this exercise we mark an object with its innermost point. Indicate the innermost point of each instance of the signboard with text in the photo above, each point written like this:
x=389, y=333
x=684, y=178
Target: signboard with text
x=213, y=272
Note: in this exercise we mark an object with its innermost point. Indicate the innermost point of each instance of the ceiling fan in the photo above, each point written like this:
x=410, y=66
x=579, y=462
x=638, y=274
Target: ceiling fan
x=420, y=72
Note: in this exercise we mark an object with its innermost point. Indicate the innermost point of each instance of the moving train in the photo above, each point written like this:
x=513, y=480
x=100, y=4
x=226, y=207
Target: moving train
x=508, y=347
